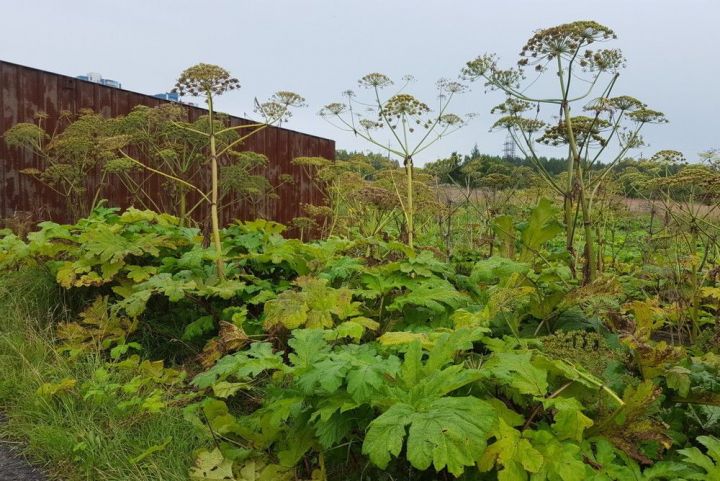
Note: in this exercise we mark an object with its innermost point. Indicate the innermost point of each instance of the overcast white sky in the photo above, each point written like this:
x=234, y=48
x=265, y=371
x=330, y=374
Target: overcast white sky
x=319, y=48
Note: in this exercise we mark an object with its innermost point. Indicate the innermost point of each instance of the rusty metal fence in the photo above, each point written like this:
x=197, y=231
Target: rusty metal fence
x=26, y=91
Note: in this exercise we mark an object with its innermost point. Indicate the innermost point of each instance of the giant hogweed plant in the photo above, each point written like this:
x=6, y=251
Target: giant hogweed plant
x=209, y=81
x=351, y=199
x=67, y=156
x=168, y=143
x=412, y=124
x=360, y=200
x=608, y=127
x=685, y=197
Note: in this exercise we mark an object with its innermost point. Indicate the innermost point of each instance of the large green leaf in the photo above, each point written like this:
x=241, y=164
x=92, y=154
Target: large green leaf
x=315, y=305
x=512, y=452
x=449, y=432
x=241, y=365
x=386, y=434
x=289, y=310
x=496, y=269
x=570, y=422
x=561, y=460
x=515, y=370
x=541, y=228
x=504, y=229
x=709, y=463
x=436, y=295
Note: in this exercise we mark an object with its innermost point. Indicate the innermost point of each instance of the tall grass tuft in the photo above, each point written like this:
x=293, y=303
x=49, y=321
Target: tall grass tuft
x=78, y=439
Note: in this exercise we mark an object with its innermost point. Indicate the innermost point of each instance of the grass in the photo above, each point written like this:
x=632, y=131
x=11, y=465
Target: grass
x=76, y=439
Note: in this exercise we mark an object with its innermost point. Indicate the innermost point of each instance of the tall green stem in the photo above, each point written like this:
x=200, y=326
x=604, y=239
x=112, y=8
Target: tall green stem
x=577, y=186
x=410, y=205
x=590, y=262
x=214, y=218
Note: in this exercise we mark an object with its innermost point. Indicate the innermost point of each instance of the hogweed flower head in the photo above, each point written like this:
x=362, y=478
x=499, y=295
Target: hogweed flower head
x=565, y=39
x=289, y=99
x=480, y=66
x=583, y=128
x=451, y=86
x=450, y=120
x=335, y=108
x=626, y=102
x=607, y=60
x=405, y=105
x=375, y=80
x=511, y=106
x=645, y=115
x=668, y=157
x=205, y=79
x=368, y=124
x=513, y=122
x=277, y=109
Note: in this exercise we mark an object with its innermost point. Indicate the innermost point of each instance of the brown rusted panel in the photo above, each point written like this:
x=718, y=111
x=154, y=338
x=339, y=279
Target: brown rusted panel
x=3, y=127
x=25, y=92
x=284, y=190
x=85, y=95
x=10, y=111
x=66, y=100
x=103, y=102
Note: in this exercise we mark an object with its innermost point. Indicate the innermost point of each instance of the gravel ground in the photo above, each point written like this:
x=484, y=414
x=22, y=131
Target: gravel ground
x=13, y=467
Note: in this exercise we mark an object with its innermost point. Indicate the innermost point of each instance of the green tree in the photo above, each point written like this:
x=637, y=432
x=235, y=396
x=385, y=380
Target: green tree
x=447, y=170
x=376, y=160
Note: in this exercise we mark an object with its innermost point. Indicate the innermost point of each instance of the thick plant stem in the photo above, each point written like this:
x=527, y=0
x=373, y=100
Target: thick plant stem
x=568, y=214
x=577, y=186
x=590, y=261
x=214, y=218
x=572, y=162
x=214, y=215
x=410, y=206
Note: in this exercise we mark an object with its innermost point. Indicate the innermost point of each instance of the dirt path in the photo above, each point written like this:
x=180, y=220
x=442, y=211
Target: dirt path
x=13, y=467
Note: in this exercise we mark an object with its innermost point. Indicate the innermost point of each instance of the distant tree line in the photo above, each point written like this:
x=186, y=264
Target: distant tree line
x=472, y=167
x=375, y=160
x=633, y=177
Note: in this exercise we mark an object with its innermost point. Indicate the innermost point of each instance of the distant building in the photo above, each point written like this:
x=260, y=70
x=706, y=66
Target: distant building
x=98, y=79
x=171, y=96
x=111, y=83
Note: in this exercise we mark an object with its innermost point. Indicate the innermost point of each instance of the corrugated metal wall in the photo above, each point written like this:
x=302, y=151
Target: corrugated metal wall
x=25, y=91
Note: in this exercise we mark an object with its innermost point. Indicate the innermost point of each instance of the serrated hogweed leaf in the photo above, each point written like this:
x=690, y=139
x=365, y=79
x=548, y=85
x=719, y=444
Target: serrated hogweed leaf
x=570, y=422
x=449, y=432
x=516, y=371
x=386, y=434
x=512, y=452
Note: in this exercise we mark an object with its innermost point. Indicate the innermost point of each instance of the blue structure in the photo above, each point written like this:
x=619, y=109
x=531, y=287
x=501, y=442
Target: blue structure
x=172, y=96
x=98, y=79
x=111, y=83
